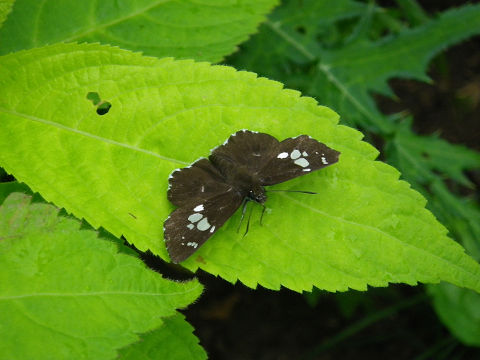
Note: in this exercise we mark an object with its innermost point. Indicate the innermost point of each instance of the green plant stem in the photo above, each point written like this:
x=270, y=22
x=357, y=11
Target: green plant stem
x=362, y=324
x=440, y=350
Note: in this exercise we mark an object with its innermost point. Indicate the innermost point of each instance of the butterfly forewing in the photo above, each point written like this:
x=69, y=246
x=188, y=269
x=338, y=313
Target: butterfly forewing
x=245, y=148
x=201, y=180
x=295, y=157
x=209, y=191
x=189, y=226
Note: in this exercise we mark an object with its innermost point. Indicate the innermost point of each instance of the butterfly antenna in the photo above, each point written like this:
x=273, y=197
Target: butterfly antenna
x=248, y=221
x=244, y=208
x=297, y=191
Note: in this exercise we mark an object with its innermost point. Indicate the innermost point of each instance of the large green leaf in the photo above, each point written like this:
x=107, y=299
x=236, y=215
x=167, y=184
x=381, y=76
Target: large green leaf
x=173, y=341
x=206, y=30
x=365, y=228
x=66, y=294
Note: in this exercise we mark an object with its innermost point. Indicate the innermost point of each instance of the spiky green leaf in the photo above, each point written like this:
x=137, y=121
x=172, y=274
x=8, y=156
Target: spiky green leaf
x=173, y=341
x=67, y=294
x=343, y=76
x=206, y=30
x=365, y=228
x=422, y=157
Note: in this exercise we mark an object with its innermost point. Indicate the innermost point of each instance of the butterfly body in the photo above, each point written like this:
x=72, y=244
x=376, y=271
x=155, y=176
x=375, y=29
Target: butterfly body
x=209, y=191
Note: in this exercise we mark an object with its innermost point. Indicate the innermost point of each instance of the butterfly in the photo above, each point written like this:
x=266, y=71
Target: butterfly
x=209, y=191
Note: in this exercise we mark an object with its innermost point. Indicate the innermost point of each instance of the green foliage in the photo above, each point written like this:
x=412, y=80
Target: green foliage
x=459, y=309
x=97, y=130
x=423, y=157
x=206, y=30
x=5, y=8
x=67, y=294
x=173, y=341
x=7, y=188
x=343, y=70
x=366, y=228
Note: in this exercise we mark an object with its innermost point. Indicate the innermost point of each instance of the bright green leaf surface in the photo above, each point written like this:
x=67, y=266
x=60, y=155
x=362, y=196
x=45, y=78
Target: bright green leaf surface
x=206, y=30
x=364, y=228
x=173, y=341
x=66, y=294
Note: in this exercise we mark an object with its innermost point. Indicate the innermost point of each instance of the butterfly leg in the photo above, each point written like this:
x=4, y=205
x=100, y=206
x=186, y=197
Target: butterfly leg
x=248, y=221
x=263, y=212
x=244, y=208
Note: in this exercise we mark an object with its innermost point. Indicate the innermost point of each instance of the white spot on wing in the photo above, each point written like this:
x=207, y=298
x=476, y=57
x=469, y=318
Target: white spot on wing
x=190, y=226
x=282, y=155
x=195, y=217
x=199, y=207
x=295, y=154
x=324, y=161
x=306, y=169
x=203, y=224
x=302, y=162
x=212, y=229
x=305, y=153
x=192, y=244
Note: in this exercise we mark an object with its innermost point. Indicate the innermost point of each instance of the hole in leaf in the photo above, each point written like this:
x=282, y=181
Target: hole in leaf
x=93, y=97
x=102, y=106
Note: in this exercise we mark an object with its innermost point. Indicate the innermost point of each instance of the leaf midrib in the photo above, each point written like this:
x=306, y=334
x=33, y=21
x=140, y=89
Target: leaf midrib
x=116, y=21
x=98, y=293
x=90, y=135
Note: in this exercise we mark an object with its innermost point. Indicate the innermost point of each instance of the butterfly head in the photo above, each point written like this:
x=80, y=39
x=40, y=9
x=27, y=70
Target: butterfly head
x=257, y=193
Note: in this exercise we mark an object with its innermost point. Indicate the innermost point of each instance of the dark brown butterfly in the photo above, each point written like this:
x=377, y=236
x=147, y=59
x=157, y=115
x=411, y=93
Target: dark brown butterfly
x=209, y=191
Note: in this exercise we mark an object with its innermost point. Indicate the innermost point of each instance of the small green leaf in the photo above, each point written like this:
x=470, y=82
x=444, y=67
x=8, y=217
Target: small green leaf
x=423, y=156
x=66, y=294
x=206, y=30
x=364, y=228
x=7, y=188
x=173, y=341
x=459, y=310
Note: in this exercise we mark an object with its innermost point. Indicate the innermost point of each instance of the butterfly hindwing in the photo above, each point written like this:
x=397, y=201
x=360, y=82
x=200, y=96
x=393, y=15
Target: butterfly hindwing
x=189, y=226
x=201, y=180
x=248, y=149
x=295, y=157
